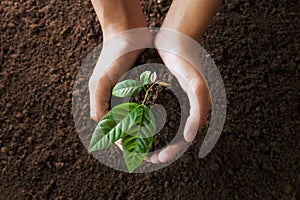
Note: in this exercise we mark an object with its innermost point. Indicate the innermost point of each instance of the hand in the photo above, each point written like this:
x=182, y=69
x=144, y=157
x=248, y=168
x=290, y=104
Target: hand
x=116, y=59
x=181, y=55
x=117, y=18
x=191, y=19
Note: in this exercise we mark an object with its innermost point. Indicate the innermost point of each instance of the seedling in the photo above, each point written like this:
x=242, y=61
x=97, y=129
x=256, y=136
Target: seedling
x=132, y=122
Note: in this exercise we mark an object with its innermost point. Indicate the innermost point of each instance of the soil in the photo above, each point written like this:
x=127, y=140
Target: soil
x=160, y=95
x=256, y=48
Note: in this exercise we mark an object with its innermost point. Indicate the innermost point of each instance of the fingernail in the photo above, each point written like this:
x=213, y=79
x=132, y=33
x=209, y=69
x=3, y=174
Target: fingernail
x=163, y=156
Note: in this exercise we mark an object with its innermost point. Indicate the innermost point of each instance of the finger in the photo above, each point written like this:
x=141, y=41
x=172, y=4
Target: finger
x=170, y=151
x=154, y=158
x=99, y=104
x=194, y=85
x=100, y=91
x=191, y=128
x=192, y=82
x=147, y=158
x=198, y=95
x=92, y=88
x=102, y=96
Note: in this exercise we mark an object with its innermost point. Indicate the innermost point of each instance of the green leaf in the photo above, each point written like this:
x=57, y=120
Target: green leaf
x=113, y=126
x=127, y=88
x=137, y=142
x=133, y=160
x=145, y=77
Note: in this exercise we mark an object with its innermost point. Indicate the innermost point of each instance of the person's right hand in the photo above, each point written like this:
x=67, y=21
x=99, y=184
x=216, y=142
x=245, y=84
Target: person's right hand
x=116, y=59
x=121, y=23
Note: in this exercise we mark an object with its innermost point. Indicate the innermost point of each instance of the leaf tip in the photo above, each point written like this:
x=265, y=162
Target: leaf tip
x=130, y=169
x=89, y=151
x=114, y=92
x=164, y=84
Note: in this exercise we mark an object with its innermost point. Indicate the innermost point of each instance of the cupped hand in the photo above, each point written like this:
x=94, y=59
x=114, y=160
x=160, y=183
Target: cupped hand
x=118, y=54
x=181, y=55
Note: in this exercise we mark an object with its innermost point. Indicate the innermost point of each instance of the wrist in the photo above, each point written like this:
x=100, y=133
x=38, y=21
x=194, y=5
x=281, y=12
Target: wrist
x=191, y=17
x=116, y=16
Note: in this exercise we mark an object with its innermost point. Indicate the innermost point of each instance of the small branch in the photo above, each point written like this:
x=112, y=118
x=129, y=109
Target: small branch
x=144, y=88
x=147, y=92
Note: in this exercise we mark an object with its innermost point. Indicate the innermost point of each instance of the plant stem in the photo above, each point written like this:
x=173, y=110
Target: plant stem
x=147, y=92
x=144, y=88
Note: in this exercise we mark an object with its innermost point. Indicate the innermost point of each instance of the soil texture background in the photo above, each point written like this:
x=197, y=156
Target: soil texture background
x=255, y=45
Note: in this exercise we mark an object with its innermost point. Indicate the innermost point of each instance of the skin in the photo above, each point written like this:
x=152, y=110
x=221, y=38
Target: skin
x=115, y=17
x=187, y=17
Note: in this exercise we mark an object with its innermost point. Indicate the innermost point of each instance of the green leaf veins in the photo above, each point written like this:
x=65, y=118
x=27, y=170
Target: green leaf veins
x=145, y=77
x=127, y=88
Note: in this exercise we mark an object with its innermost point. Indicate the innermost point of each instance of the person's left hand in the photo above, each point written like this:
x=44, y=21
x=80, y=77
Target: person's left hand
x=183, y=62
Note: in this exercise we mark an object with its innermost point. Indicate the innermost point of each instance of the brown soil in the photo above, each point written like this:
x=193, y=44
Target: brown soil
x=256, y=47
x=160, y=95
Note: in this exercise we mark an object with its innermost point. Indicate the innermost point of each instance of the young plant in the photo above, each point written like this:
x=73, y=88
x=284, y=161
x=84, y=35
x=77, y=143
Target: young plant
x=132, y=122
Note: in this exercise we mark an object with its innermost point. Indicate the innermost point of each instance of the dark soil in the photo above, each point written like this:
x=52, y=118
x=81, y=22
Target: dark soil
x=162, y=96
x=256, y=48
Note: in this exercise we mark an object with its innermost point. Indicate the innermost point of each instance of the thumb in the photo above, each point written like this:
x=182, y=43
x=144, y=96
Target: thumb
x=100, y=93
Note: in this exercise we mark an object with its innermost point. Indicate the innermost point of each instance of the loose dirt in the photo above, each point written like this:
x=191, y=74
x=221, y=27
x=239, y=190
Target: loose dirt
x=256, y=48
